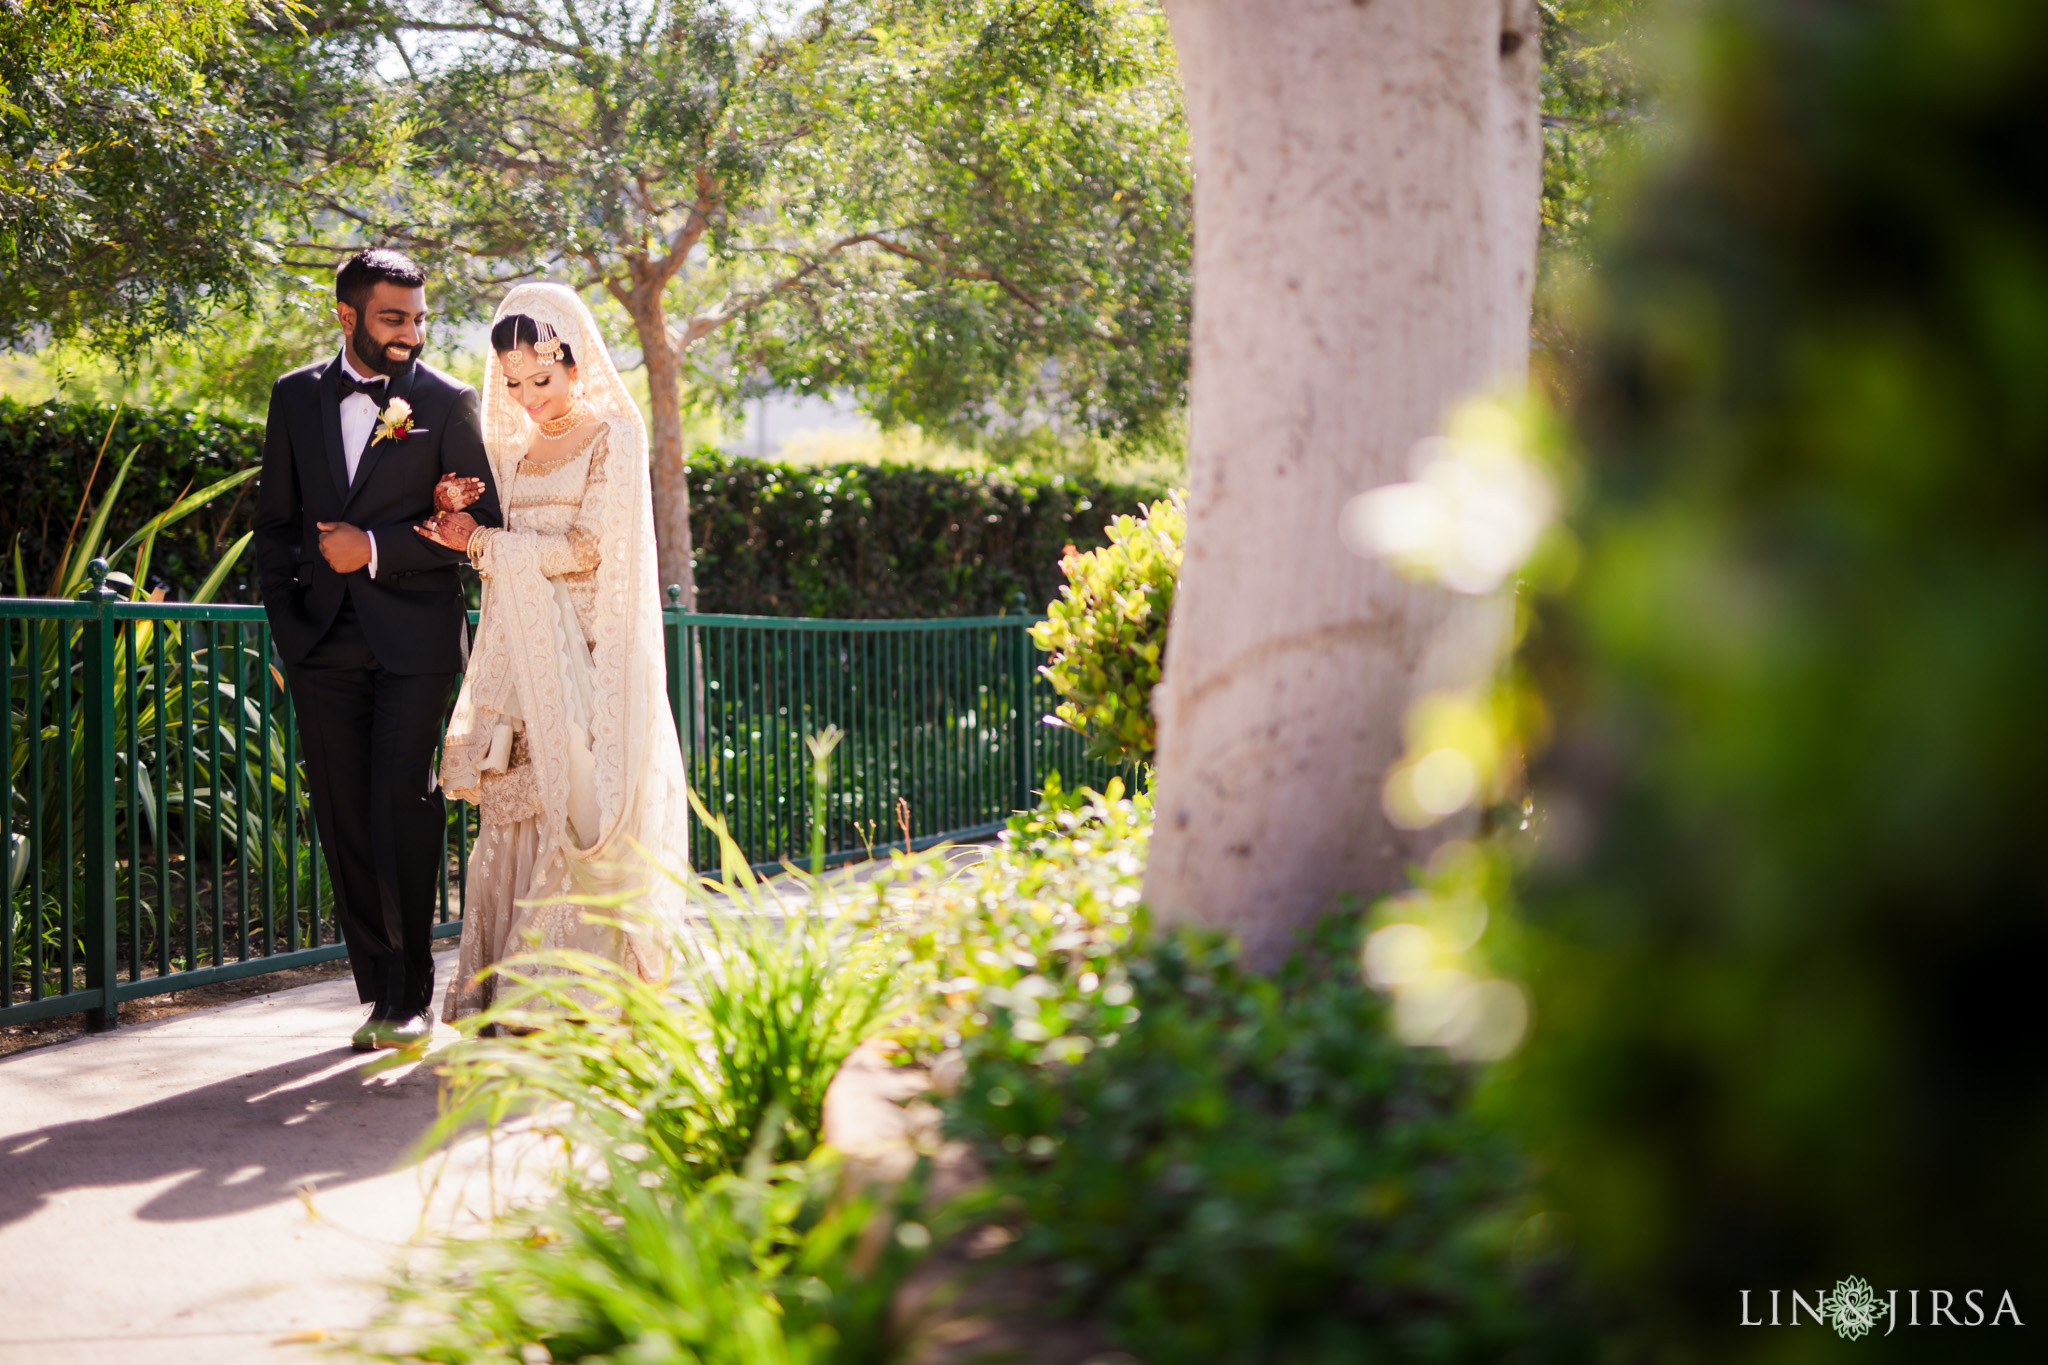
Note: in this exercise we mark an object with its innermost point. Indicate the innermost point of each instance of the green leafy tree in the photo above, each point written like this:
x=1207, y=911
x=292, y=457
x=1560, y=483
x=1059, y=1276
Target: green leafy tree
x=1596, y=106
x=1022, y=170
x=1598, y=100
x=133, y=182
x=963, y=210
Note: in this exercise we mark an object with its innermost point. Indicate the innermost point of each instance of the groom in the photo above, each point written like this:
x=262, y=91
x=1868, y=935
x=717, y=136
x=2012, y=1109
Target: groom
x=369, y=616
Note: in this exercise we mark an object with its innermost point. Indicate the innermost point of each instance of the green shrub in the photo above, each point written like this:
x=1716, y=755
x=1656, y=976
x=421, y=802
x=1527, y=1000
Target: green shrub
x=1216, y=1166
x=48, y=451
x=1025, y=952
x=1255, y=1170
x=1787, y=1027
x=1106, y=631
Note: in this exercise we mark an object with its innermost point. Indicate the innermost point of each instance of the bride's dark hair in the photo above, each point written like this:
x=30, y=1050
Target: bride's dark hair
x=515, y=330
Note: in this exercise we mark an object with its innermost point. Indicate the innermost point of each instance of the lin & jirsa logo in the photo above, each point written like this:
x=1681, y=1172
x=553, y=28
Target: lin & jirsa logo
x=1853, y=1309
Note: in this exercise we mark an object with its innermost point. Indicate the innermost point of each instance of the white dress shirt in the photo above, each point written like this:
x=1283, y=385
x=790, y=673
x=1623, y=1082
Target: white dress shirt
x=358, y=420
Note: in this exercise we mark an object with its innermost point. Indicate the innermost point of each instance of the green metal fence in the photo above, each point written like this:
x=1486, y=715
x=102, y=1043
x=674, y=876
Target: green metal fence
x=160, y=835
x=943, y=721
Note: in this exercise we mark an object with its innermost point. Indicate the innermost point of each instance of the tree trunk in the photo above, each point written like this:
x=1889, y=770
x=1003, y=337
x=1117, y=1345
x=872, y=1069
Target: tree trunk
x=668, y=469
x=1365, y=234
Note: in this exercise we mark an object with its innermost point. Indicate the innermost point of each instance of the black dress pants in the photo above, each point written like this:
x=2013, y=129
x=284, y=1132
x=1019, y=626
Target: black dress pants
x=368, y=736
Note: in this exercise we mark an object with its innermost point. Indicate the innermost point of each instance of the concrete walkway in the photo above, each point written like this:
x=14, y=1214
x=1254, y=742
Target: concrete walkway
x=226, y=1186
x=234, y=1185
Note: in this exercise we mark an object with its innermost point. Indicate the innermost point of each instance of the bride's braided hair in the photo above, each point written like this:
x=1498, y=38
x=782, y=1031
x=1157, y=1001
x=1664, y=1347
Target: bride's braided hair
x=514, y=330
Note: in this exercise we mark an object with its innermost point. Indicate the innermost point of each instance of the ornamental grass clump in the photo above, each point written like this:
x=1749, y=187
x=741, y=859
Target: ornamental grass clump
x=1106, y=631
x=698, y=1218
x=768, y=1266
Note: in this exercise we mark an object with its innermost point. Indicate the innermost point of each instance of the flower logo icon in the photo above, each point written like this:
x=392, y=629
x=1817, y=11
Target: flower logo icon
x=1853, y=1308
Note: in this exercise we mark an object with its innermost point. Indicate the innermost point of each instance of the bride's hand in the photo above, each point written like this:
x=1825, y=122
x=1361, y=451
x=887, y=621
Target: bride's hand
x=452, y=529
x=456, y=491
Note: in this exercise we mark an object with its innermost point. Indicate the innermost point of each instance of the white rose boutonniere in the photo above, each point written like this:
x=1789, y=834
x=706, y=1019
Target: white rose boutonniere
x=395, y=422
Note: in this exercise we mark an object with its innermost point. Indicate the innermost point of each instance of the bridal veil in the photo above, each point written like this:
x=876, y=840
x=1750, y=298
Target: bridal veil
x=599, y=730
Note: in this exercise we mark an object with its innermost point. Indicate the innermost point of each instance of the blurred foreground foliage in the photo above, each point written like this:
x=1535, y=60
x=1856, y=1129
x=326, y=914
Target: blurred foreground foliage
x=1791, y=871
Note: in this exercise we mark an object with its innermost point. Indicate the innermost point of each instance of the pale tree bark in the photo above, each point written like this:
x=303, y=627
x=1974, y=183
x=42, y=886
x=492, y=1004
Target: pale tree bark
x=639, y=281
x=668, y=465
x=1365, y=234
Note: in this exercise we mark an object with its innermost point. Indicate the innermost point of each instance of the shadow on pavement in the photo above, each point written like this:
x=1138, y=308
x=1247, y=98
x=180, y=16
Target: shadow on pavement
x=241, y=1143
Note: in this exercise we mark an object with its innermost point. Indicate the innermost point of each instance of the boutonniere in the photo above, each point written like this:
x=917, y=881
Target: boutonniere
x=395, y=422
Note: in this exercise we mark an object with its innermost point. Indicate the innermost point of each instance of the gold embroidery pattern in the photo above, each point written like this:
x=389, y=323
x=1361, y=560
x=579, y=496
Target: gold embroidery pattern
x=543, y=589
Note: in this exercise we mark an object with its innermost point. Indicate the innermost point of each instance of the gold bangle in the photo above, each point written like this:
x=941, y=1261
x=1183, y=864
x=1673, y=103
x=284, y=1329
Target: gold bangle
x=478, y=540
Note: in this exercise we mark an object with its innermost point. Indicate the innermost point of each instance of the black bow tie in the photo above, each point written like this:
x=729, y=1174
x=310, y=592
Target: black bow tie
x=350, y=384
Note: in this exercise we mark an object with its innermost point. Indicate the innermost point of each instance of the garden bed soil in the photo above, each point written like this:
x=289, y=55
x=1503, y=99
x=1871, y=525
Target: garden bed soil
x=962, y=1305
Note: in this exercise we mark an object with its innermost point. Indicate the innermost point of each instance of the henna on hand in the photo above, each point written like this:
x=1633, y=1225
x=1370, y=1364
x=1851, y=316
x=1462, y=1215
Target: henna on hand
x=451, y=529
x=457, y=491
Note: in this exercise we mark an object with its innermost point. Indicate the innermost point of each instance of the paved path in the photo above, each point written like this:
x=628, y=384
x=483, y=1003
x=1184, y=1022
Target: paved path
x=220, y=1187
x=231, y=1185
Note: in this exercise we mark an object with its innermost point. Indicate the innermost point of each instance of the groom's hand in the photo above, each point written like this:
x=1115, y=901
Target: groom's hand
x=346, y=548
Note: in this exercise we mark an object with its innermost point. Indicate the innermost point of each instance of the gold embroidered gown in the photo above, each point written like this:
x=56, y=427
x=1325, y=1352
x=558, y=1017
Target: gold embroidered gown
x=562, y=733
x=550, y=503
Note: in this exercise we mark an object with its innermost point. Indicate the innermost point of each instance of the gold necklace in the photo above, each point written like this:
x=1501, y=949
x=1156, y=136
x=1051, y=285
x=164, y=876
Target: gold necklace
x=579, y=413
x=529, y=465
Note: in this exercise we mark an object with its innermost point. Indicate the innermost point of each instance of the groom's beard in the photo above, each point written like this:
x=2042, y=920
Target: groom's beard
x=373, y=355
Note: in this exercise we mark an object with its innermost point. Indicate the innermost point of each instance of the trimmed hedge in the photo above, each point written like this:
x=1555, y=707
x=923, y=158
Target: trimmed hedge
x=772, y=540
x=46, y=456
x=888, y=540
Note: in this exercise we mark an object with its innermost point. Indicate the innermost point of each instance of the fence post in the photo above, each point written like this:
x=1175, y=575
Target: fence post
x=100, y=944
x=678, y=678
x=1026, y=722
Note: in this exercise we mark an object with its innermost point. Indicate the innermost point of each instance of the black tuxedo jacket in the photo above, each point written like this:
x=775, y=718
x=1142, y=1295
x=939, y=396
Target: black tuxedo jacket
x=412, y=612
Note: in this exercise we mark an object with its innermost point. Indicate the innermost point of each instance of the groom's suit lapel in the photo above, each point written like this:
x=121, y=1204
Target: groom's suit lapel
x=330, y=425
x=373, y=453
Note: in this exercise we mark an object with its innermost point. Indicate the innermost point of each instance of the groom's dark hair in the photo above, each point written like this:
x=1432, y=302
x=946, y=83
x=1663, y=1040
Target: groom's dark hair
x=355, y=277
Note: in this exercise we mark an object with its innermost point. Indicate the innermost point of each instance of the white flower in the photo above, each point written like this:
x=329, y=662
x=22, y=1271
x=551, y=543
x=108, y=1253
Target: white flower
x=395, y=422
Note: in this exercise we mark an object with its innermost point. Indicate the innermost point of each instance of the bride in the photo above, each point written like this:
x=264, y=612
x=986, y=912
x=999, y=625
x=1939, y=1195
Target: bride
x=562, y=734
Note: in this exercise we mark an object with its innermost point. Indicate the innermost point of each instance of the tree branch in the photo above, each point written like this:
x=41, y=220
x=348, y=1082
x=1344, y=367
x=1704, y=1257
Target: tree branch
x=695, y=225
x=532, y=38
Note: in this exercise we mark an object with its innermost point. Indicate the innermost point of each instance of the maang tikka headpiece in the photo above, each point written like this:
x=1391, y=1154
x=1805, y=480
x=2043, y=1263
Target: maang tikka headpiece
x=547, y=349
